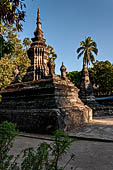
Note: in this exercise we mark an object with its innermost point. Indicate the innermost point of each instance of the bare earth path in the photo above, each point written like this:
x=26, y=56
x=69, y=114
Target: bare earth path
x=93, y=149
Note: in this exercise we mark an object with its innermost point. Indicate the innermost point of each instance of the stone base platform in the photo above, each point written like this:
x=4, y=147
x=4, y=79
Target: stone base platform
x=44, y=106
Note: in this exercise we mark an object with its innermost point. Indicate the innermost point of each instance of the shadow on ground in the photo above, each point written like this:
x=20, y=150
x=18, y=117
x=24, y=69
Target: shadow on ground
x=93, y=145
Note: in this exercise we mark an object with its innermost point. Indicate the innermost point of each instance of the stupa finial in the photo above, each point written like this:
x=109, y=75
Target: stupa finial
x=38, y=32
x=38, y=19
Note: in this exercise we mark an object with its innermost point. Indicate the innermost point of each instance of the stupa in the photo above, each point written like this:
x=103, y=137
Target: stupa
x=44, y=101
x=86, y=90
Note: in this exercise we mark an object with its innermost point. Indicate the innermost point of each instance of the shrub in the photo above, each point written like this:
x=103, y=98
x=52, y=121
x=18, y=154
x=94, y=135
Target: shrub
x=8, y=132
x=45, y=157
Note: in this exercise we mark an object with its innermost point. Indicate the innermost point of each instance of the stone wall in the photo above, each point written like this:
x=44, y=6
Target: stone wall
x=44, y=106
x=104, y=108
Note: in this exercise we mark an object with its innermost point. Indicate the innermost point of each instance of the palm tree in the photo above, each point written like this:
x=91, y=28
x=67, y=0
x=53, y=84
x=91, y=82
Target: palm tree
x=87, y=48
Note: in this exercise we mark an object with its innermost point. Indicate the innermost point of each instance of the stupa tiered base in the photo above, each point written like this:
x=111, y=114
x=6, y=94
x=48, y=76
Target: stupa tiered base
x=44, y=106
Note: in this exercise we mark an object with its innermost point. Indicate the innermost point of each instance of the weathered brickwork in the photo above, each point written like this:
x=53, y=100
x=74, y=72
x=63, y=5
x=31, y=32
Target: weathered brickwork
x=101, y=108
x=44, y=106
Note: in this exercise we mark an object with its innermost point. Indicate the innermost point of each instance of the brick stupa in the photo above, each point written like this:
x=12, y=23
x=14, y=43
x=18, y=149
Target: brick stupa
x=43, y=102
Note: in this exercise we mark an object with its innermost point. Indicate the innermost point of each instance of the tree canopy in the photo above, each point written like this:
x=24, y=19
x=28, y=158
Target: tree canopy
x=75, y=77
x=12, y=58
x=87, y=48
x=5, y=47
x=101, y=77
x=12, y=12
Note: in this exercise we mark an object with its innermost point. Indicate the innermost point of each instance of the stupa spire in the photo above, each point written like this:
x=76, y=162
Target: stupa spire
x=38, y=32
x=38, y=19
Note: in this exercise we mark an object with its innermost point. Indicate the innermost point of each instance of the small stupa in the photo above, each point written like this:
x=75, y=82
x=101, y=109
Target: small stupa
x=44, y=101
x=86, y=90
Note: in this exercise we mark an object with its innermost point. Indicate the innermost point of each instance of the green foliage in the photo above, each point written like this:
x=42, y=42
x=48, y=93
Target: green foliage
x=52, y=53
x=7, y=134
x=26, y=43
x=12, y=12
x=35, y=159
x=15, y=57
x=75, y=77
x=6, y=71
x=45, y=156
x=5, y=47
x=61, y=144
x=101, y=75
x=87, y=48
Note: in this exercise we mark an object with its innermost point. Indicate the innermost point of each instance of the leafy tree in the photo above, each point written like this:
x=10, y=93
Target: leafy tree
x=7, y=68
x=12, y=12
x=86, y=48
x=101, y=75
x=15, y=58
x=75, y=77
x=5, y=47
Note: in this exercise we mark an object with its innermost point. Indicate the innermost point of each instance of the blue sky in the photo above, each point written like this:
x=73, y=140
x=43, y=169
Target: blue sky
x=67, y=22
